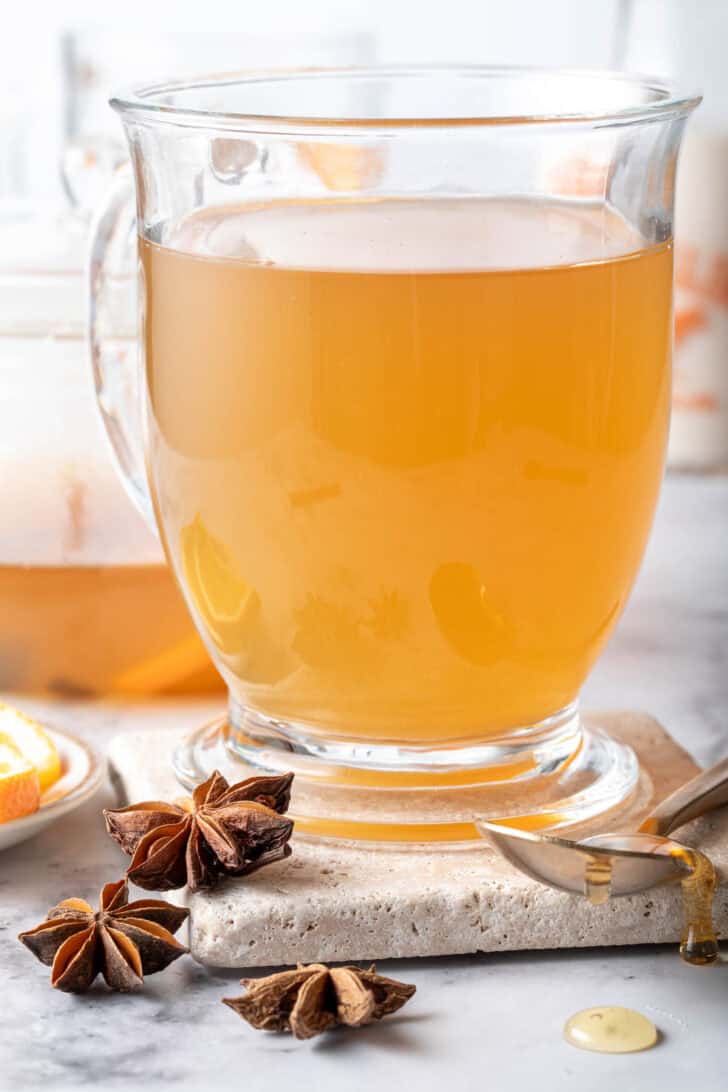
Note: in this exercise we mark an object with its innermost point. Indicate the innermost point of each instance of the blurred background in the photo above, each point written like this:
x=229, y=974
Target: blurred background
x=133, y=38
x=75, y=553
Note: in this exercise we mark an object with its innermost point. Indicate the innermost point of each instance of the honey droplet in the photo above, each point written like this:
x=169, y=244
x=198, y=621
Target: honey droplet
x=699, y=944
x=610, y=1029
x=598, y=881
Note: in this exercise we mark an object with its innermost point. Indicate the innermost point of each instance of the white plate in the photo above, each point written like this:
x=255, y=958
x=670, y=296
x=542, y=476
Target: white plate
x=82, y=774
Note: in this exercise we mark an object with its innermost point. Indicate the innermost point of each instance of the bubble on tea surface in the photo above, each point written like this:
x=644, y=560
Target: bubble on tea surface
x=610, y=1029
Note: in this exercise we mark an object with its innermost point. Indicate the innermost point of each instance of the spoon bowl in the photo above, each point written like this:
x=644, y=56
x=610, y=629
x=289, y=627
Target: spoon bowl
x=616, y=864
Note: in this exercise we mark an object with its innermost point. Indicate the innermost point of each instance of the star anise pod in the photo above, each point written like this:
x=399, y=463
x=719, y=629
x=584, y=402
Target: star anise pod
x=311, y=999
x=122, y=940
x=223, y=830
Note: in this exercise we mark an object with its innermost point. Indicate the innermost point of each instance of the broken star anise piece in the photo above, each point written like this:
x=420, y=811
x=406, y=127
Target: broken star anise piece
x=223, y=830
x=123, y=940
x=311, y=999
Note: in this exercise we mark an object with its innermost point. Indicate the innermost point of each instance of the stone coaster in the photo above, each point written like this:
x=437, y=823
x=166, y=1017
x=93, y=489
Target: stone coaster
x=345, y=902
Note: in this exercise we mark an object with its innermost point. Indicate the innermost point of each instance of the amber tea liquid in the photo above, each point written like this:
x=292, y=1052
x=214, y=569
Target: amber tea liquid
x=405, y=455
x=81, y=630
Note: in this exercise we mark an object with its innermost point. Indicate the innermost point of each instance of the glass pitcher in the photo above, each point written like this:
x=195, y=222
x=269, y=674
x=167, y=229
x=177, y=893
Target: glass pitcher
x=87, y=604
x=401, y=419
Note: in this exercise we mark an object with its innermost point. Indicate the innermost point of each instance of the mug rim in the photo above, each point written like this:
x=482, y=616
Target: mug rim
x=670, y=100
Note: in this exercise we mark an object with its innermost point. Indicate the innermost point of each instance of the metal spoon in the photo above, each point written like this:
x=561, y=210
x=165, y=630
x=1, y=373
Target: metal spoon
x=620, y=863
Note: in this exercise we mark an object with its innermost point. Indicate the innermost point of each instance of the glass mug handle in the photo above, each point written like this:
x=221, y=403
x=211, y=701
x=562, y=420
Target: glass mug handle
x=112, y=336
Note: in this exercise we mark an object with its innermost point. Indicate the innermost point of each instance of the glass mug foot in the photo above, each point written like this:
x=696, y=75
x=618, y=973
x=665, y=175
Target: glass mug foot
x=562, y=774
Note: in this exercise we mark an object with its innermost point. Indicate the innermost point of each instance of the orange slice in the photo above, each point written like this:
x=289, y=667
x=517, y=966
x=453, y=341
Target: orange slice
x=33, y=743
x=19, y=784
x=225, y=602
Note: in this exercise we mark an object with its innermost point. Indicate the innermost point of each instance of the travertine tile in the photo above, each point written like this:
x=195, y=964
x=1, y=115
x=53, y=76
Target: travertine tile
x=349, y=903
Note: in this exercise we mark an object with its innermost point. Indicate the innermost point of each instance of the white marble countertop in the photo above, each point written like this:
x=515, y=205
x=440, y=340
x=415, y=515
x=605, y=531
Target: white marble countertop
x=480, y=1022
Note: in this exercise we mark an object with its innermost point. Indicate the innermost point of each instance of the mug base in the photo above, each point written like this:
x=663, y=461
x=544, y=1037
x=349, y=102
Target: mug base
x=564, y=774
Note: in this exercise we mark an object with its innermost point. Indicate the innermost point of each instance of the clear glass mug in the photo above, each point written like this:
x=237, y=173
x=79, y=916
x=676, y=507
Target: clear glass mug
x=405, y=379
